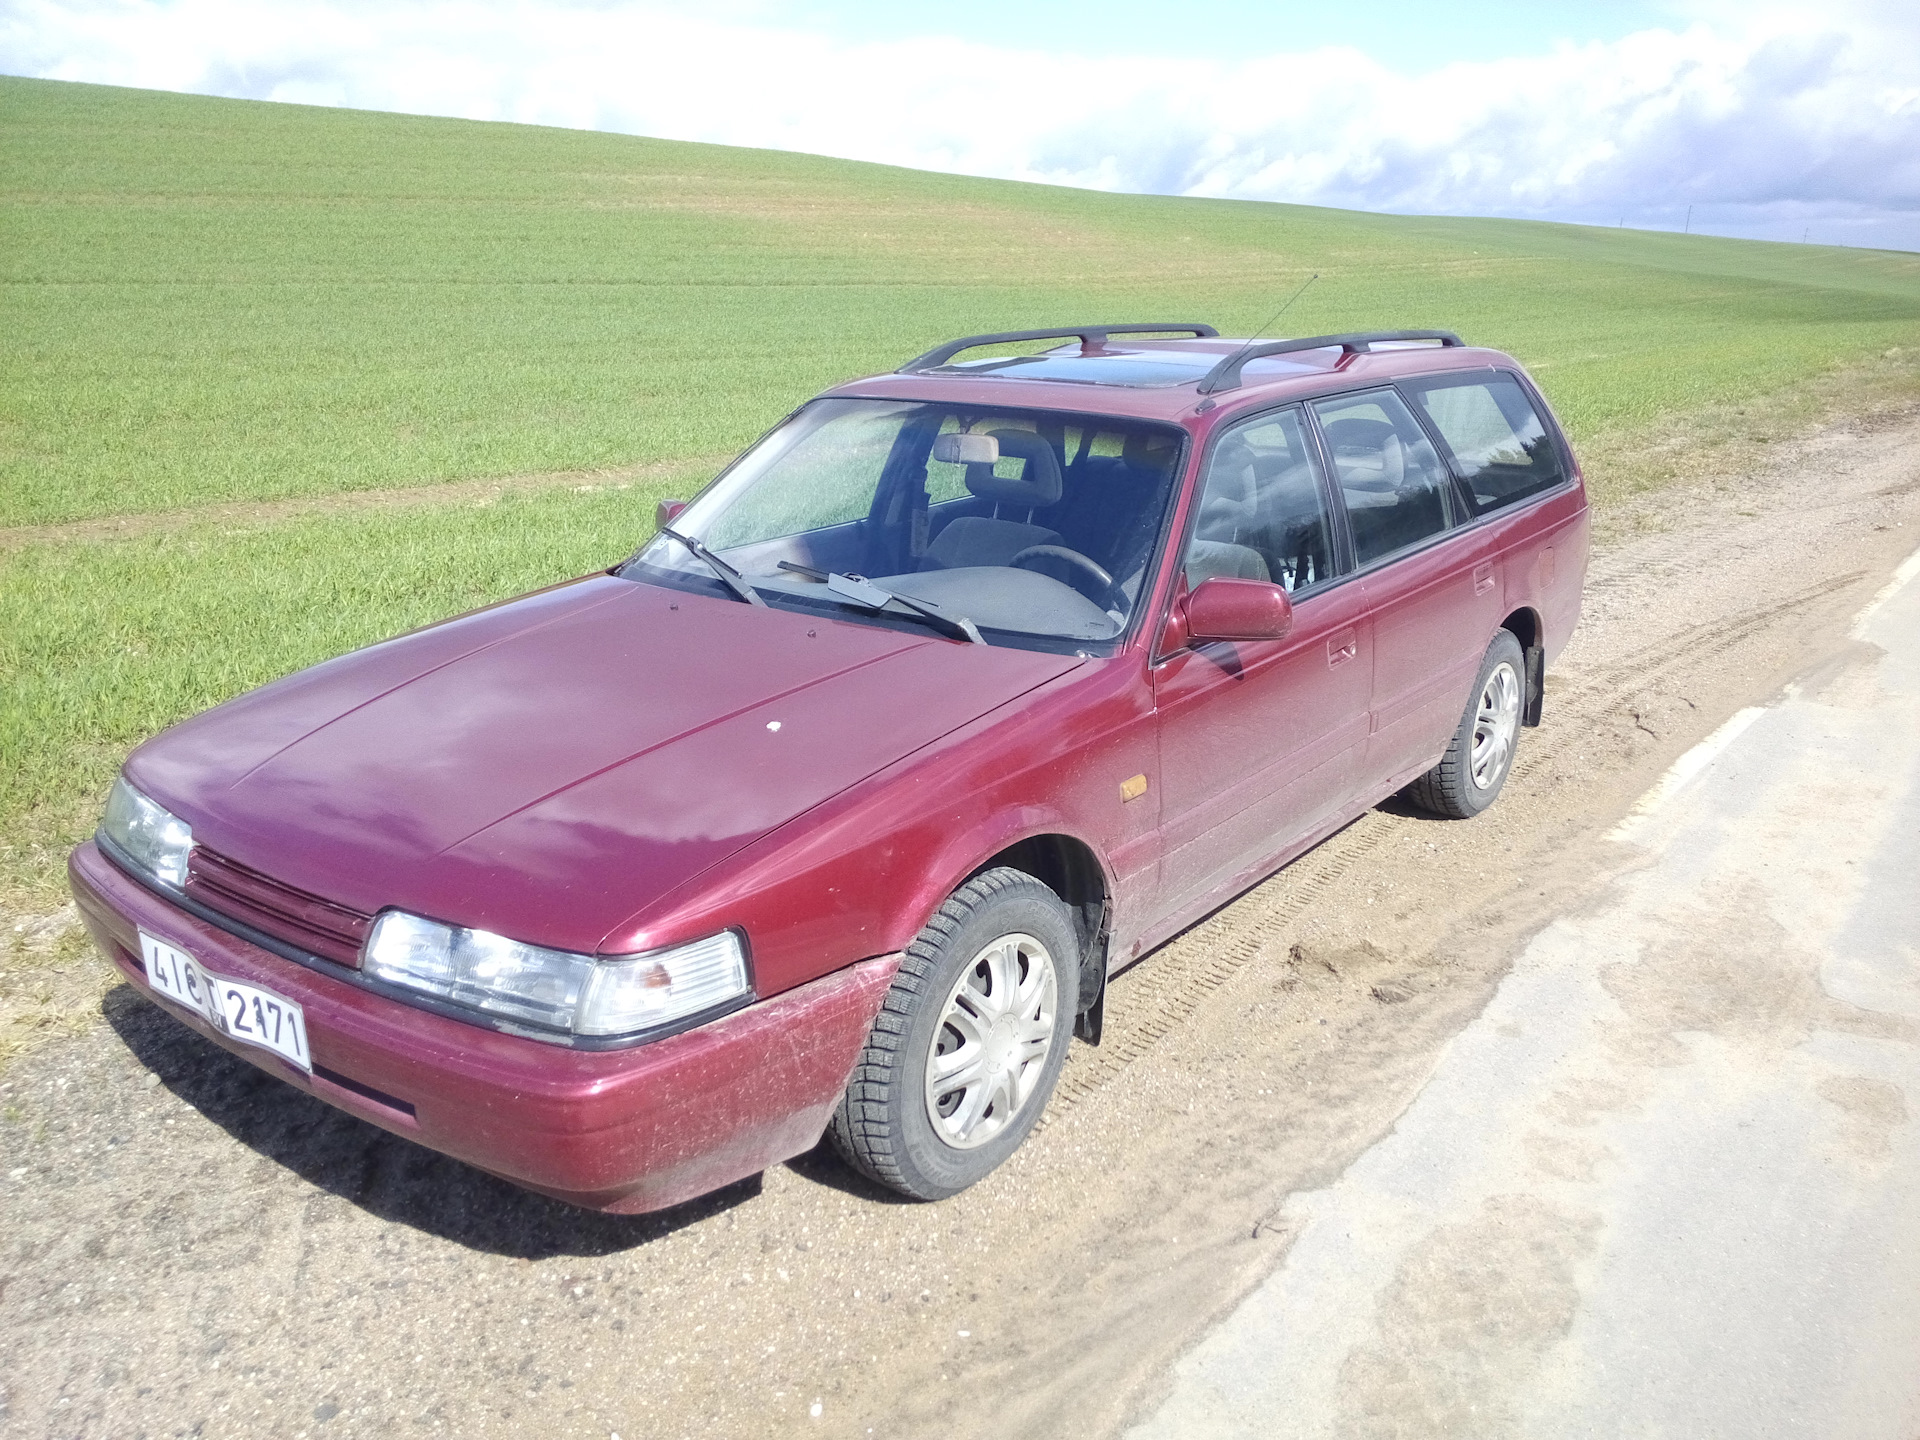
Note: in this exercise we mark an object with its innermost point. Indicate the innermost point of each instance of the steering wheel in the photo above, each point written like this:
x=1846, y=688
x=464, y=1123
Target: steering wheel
x=1107, y=599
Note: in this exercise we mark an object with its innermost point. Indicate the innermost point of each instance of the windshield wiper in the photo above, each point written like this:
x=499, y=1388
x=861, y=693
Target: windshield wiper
x=729, y=576
x=857, y=590
x=865, y=592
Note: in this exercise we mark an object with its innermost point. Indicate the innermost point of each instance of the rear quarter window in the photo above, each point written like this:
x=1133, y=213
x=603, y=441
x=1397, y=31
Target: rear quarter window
x=1498, y=442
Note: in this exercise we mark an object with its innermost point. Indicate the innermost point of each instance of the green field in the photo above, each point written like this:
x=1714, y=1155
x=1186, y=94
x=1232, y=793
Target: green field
x=224, y=303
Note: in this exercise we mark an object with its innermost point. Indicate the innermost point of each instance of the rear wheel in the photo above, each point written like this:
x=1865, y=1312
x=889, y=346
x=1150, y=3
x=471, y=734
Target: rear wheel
x=1480, y=756
x=969, y=1041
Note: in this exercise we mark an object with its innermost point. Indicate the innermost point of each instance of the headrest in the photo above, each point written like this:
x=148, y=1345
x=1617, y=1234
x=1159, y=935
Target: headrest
x=1039, y=483
x=1232, y=453
x=1359, y=435
x=1231, y=481
x=1149, y=450
x=1367, y=450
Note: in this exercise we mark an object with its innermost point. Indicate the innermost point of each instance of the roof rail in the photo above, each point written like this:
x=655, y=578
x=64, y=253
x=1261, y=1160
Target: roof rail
x=1226, y=375
x=1091, y=337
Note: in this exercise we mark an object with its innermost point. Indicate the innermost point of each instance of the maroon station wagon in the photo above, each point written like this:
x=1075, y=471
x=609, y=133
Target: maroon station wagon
x=835, y=806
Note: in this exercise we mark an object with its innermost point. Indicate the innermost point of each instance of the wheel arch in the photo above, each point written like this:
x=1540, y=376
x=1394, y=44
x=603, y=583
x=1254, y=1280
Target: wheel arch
x=1066, y=863
x=1069, y=867
x=1526, y=626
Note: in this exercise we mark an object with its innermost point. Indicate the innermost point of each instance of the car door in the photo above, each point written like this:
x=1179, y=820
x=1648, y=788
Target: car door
x=1259, y=740
x=1432, y=591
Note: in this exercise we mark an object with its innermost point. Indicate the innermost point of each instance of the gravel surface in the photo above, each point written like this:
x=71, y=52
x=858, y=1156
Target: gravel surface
x=189, y=1247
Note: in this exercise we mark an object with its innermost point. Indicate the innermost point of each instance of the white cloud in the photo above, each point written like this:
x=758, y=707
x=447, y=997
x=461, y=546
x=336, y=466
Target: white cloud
x=1759, y=118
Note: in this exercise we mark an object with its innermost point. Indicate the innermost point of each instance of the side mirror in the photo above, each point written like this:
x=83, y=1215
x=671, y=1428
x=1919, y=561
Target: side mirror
x=664, y=512
x=1227, y=609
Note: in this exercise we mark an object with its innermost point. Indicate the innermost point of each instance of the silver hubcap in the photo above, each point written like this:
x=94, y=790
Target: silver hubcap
x=991, y=1047
x=1496, y=721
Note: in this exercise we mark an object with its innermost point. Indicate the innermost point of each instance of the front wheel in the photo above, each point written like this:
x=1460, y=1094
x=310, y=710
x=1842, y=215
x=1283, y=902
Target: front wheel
x=968, y=1043
x=1480, y=756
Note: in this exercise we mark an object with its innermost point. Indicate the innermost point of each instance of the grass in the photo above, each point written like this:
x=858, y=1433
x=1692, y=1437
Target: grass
x=211, y=300
x=223, y=303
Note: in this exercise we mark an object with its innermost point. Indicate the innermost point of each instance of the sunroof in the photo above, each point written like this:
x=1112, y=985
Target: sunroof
x=1163, y=369
x=1160, y=369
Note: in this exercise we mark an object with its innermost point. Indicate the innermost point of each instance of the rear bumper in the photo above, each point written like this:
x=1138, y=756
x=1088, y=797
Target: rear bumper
x=619, y=1130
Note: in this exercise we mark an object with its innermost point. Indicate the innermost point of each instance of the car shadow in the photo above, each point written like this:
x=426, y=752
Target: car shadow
x=385, y=1175
x=1399, y=804
x=822, y=1166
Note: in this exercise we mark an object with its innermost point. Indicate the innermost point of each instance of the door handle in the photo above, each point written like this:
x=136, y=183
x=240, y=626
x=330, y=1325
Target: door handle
x=1343, y=646
x=1483, y=578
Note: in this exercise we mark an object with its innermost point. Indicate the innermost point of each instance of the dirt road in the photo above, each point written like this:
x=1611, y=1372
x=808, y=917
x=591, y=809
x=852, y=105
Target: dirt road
x=189, y=1247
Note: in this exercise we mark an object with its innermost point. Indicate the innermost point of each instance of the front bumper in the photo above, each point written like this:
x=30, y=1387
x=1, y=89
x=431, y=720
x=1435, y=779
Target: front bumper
x=618, y=1130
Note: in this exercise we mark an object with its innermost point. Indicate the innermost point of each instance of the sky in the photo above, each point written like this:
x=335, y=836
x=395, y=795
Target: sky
x=1779, y=121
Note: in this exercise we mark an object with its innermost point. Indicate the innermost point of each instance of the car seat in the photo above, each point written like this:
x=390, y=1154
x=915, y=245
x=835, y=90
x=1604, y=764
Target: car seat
x=1386, y=506
x=1114, y=503
x=993, y=540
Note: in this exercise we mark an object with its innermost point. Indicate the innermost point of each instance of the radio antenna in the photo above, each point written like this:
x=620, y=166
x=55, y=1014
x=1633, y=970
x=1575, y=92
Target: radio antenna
x=1271, y=320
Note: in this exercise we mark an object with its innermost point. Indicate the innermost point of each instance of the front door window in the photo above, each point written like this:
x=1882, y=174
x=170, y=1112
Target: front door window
x=1262, y=516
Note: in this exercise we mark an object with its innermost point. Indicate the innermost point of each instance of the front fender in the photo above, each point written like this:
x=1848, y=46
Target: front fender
x=863, y=873
x=969, y=851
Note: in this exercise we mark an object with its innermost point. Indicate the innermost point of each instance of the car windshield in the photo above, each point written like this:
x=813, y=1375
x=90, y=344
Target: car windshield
x=1034, y=528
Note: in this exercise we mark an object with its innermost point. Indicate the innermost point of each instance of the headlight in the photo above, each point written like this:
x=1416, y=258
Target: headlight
x=579, y=994
x=154, y=840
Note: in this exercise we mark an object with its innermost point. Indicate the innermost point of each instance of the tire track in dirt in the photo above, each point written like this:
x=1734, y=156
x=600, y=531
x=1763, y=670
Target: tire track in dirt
x=1154, y=996
x=1609, y=690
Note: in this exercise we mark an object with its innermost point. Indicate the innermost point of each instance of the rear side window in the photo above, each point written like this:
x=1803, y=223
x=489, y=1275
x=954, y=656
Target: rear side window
x=1499, y=442
x=1396, y=490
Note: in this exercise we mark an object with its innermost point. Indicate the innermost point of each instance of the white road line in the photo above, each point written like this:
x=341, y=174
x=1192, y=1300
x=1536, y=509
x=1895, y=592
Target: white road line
x=1909, y=568
x=1685, y=769
x=1701, y=756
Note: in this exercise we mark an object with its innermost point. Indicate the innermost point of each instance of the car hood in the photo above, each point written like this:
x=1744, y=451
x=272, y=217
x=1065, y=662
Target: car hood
x=547, y=767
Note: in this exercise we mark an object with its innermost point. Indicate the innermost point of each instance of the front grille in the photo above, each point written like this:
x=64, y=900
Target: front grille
x=320, y=926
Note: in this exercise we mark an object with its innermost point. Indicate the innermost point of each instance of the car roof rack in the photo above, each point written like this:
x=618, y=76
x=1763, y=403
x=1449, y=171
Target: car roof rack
x=1091, y=337
x=1226, y=375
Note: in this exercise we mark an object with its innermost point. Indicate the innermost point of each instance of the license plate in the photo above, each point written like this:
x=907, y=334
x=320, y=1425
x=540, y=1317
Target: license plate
x=245, y=1012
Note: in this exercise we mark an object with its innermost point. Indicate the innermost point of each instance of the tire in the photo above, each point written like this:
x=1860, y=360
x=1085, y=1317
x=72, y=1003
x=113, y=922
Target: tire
x=1480, y=756
x=928, y=1129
